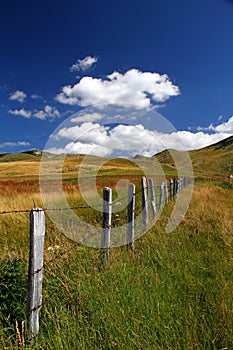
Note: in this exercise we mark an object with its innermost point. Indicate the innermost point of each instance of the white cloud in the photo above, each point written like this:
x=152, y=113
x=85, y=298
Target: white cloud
x=36, y=97
x=226, y=127
x=13, y=144
x=87, y=117
x=22, y=112
x=135, y=88
x=96, y=139
x=208, y=128
x=46, y=113
x=86, y=133
x=81, y=148
x=83, y=64
x=18, y=96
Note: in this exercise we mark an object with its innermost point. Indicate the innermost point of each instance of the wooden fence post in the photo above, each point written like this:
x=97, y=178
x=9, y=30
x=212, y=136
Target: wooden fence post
x=35, y=271
x=152, y=197
x=161, y=196
x=106, y=224
x=171, y=190
x=166, y=192
x=175, y=188
x=130, y=216
x=181, y=183
x=144, y=203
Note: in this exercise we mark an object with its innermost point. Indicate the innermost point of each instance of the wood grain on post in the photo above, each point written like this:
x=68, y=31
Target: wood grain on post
x=130, y=216
x=144, y=203
x=161, y=196
x=152, y=197
x=106, y=224
x=35, y=271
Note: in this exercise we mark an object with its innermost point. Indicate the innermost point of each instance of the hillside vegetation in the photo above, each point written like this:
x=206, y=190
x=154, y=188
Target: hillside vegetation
x=214, y=160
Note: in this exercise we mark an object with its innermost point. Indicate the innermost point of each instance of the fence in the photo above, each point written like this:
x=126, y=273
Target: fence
x=168, y=190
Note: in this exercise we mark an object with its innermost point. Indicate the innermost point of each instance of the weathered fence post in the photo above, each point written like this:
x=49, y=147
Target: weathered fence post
x=152, y=197
x=161, y=195
x=106, y=223
x=171, y=190
x=181, y=183
x=178, y=186
x=144, y=203
x=175, y=188
x=130, y=216
x=35, y=271
x=166, y=192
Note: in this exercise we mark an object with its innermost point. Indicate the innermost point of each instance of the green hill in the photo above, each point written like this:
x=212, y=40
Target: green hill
x=214, y=160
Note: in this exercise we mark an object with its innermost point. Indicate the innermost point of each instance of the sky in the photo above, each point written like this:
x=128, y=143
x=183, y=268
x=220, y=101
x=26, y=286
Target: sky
x=66, y=64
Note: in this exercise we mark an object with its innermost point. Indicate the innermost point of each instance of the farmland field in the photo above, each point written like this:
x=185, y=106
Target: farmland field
x=174, y=291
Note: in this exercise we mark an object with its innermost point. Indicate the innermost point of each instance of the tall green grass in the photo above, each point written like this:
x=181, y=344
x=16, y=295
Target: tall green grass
x=175, y=291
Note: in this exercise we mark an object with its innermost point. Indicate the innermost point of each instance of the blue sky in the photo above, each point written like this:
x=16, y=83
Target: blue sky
x=60, y=57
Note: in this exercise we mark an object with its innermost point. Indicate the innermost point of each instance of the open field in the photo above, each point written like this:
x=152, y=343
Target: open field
x=174, y=291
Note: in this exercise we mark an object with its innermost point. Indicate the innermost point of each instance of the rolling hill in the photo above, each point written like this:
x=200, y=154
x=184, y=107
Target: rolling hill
x=214, y=160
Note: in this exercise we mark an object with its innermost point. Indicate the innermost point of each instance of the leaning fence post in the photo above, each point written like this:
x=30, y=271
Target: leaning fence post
x=35, y=271
x=144, y=203
x=152, y=197
x=106, y=224
x=161, y=196
x=130, y=216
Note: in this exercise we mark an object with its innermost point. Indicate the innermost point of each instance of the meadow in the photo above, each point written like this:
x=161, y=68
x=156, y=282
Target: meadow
x=174, y=291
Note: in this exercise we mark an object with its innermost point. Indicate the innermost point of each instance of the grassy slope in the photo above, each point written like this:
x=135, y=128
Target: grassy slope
x=215, y=160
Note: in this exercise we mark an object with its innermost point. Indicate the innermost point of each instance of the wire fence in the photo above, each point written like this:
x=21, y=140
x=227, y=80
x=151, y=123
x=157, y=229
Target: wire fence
x=38, y=229
x=95, y=206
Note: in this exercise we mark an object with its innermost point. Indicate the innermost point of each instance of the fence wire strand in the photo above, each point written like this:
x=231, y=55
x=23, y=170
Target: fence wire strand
x=66, y=208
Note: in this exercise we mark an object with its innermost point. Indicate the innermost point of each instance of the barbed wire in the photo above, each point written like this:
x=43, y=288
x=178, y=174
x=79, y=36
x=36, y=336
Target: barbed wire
x=95, y=206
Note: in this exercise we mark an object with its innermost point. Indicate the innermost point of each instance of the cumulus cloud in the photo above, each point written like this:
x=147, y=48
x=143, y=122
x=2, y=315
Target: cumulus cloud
x=24, y=113
x=14, y=144
x=18, y=96
x=81, y=148
x=226, y=127
x=103, y=140
x=46, y=113
x=138, y=89
x=83, y=64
